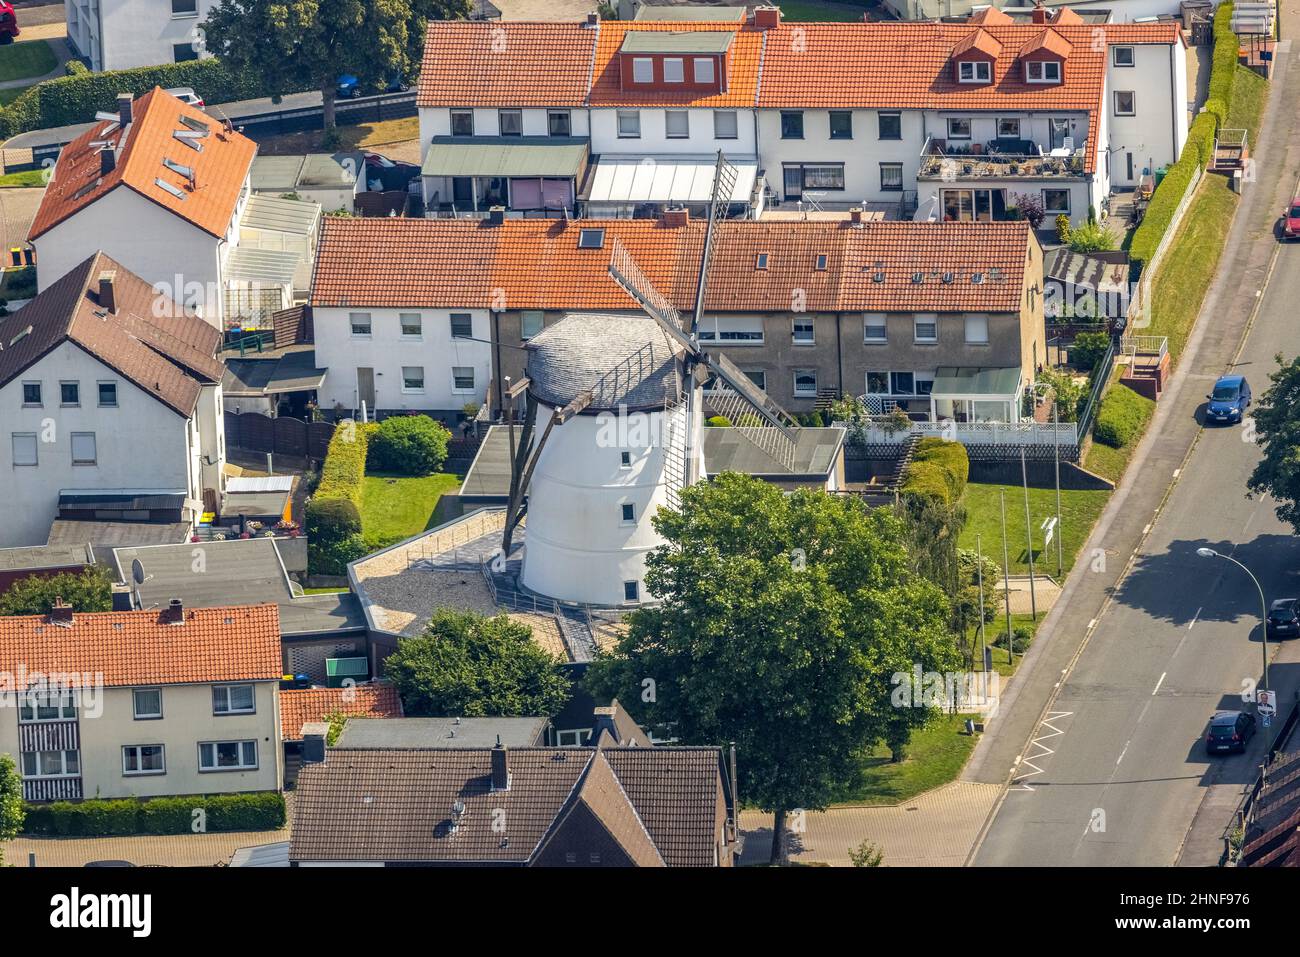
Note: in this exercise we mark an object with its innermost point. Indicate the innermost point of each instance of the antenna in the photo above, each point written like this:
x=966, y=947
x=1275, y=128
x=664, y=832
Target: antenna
x=139, y=578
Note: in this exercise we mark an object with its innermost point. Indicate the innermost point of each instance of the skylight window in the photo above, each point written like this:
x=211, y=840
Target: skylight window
x=918, y=277
x=760, y=261
x=87, y=189
x=20, y=335
x=821, y=262
x=976, y=278
x=168, y=187
x=186, y=171
x=591, y=239
x=189, y=139
x=198, y=126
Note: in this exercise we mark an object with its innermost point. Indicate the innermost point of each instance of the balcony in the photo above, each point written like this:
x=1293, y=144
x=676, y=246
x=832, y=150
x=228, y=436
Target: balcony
x=998, y=159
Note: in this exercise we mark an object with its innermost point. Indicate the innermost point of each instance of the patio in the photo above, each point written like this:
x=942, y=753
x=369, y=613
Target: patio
x=999, y=159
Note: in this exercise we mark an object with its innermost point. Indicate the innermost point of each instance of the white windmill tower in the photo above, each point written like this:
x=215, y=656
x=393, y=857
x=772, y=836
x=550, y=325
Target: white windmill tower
x=622, y=439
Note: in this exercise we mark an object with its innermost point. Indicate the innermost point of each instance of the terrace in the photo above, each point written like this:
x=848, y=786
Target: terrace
x=999, y=159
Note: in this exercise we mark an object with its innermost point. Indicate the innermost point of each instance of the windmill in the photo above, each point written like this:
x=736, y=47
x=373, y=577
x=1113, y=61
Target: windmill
x=663, y=375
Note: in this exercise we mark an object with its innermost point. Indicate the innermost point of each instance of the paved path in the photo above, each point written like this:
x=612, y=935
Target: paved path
x=172, y=850
x=935, y=829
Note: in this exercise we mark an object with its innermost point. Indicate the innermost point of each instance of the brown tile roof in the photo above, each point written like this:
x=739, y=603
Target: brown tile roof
x=507, y=63
x=219, y=170
x=396, y=805
x=149, y=339
x=235, y=643
x=979, y=41
x=1048, y=41
x=298, y=706
x=743, y=60
x=536, y=264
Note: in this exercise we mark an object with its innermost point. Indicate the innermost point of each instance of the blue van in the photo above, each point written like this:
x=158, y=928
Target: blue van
x=1229, y=399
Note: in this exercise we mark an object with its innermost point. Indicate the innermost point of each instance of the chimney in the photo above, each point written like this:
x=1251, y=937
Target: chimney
x=604, y=721
x=124, y=101
x=767, y=18
x=497, y=215
x=676, y=216
x=174, y=613
x=855, y=215
x=1039, y=14
x=108, y=291
x=107, y=160
x=593, y=20
x=500, y=767
x=61, y=613
x=314, y=734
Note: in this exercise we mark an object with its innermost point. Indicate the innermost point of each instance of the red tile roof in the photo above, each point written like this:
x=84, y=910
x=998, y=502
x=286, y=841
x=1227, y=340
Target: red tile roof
x=236, y=643
x=507, y=63
x=219, y=170
x=979, y=41
x=990, y=15
x=149, y=339
x=536, y=264
x=301, y=705
x=743, y=61
x=1048, y=41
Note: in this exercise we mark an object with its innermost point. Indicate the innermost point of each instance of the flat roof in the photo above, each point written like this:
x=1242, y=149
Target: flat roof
x=557, y=156
x=666, y=179
x=249, y=264
x=677, y=41
x=950, y=380
x=698, y=14
x=280, y=215
x=307, y=171
x=442, y=732
x=271, y=375
x=46, y=556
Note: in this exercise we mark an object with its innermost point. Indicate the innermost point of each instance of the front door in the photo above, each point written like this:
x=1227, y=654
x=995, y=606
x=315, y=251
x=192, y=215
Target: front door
x=793, y=182
x=366, y=389
x=462, y=191
x=1060, y=130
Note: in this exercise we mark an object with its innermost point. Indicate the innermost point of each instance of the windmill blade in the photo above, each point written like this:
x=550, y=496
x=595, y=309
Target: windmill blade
x=624, y=271
x=724, y=184
x=758, y=400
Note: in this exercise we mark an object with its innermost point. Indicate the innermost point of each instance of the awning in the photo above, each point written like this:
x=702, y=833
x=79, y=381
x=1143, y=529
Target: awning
x=273, y=214
x=262, y=376
x=950, y=382
x=666, y=179
x=542, y=156
x=271, y=266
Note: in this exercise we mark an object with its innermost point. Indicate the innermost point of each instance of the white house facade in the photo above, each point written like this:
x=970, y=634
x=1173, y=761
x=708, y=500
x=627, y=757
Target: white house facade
x=121, y=34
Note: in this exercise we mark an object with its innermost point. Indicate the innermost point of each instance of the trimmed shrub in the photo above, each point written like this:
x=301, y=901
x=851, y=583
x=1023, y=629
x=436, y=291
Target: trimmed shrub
x=261, y=811
x=1063, y=228
x=938, y=470
x=344, y=467
x=408, y=445
x=1122, y=417
x=718, y=422
x=333, y=522
x=1088, y=349
x=1091, y=238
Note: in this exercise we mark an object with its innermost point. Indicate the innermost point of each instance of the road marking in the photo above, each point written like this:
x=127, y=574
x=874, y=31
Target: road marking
x=1018, y=784
x=1146, y=529
x=1124, y=752
x=1159, y=683
x=1194, y=617
x=1092, y=624
x=1176, y=471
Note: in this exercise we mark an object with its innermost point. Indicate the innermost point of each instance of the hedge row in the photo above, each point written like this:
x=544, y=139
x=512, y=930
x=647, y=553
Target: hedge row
x=333, y=521
x=939, y=469
x=262, y=811
x=75, y=98
x=1122, y=416
x=1198, y=149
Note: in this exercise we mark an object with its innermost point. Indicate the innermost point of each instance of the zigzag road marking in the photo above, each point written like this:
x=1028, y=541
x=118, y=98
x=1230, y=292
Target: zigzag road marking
x=1018, y=783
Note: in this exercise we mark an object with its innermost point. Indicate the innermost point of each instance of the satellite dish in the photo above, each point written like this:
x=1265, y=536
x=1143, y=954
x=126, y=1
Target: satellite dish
x=137, y=572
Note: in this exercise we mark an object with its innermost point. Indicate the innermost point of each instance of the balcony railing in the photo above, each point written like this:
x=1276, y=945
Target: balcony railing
x=951, y=163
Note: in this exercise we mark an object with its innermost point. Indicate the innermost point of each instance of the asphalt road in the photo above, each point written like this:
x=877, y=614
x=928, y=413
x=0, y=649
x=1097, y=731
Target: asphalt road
x=1116, y=772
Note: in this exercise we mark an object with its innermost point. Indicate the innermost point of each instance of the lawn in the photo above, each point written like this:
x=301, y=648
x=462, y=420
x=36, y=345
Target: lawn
x=998, y=626
x=1188, y=268
x=1079, y=512
x=395, y=507
x=27, y=58
x=1249, y=94
x=809, y=11
x=30, y=177
x=935, y=756
x=402, y=137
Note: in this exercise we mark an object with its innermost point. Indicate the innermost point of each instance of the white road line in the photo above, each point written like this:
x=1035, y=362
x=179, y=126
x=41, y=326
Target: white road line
x=1146, y=529
x=1124, y=752
x=1194, y=618
x=1159, y=683
x=1043, y=750
x=1176, y=471
x=1092, y=624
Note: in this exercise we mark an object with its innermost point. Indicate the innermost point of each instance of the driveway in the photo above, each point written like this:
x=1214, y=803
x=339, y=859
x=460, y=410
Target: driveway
x=17, y=209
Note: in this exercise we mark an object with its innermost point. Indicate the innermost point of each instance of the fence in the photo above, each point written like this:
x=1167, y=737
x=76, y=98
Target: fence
x=1138, y=315
x=254, y=432
x=995, y=434
x=1100, y=379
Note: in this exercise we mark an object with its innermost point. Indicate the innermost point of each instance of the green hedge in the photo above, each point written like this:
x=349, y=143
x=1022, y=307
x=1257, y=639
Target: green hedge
x=1198, y=149
x=75, y=98
x=333, y=522
x=262, y=811
x=1122, y=416
x=939, y=469
x=342, y=474
x=408, y=445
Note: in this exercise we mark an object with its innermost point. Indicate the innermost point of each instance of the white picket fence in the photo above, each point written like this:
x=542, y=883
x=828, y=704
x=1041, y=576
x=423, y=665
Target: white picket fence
x=977, y=433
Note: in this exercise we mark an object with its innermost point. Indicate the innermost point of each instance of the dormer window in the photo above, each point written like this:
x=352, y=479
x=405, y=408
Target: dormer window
x=703, y=67
x=643, y=69
x=1042, y=71
x=974, y=71
x=674, y=70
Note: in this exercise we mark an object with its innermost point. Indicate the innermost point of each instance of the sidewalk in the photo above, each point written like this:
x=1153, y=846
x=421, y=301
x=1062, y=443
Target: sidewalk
x=170, y=850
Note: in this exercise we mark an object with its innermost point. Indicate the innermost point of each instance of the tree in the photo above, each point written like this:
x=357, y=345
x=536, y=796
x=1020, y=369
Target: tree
x=784, y=622
x=12, y=810
x=90, y=589
x=1031, y=208
x=866, y=854
x=1277, y=430
x=307, y=44
x=409, y=445
x=468, y=665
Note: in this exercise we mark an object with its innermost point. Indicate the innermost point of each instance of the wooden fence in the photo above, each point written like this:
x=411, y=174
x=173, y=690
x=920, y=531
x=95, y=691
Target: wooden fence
x=254, y=432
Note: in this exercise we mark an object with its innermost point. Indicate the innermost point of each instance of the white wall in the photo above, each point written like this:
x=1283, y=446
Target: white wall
x=1155, y=134
x=654, y=140
x=436, y=121
x=140, y=444
x=577, y=548
x=386, y=351
x=143, y=32
x=152, y=242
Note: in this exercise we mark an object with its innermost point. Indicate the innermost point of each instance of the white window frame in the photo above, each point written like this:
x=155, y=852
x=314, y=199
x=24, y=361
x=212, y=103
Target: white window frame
x=685, y=116
x=412, y=389
x=63, y=761
x=575, y=738
x=94, y=448
x=402, y=319
x=927, y=319
x=636, y=592
x=643, y=69
x=1132, y=56
x=1008, y=119
x=960, y=119
x=369, y=320
x=627, y=513
x=216, y=768
x=674, y=69
x=35, y=446
x=456, y=376
x=1132, y=95
x=185, y=14
x=711, y=330
x=719, y=134
x=1043, y=71
x=76, y=386
x=805, y=392
x=896, y=114
x=30, y=704
x=501, y=124
x=981, y=71
x=224, y=690
x=977, y=318
x=633, y=116
x=702, y=71
x=625, y=460
x=138, y=750
x=527, y=316
x=869, y=321
x=40, y=395
x=1049, y=210
x=135, y=704
x=99, y=395
x=451, y=121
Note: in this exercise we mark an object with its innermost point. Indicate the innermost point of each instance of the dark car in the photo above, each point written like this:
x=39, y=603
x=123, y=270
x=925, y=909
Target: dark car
x=1229, y=399
x=1229, y=731
x=1284, y=618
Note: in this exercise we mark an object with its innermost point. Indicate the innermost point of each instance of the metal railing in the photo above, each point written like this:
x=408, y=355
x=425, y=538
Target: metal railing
x=1100, y=378
x=949, y=167
x=1133, y=346
x=1063, y=434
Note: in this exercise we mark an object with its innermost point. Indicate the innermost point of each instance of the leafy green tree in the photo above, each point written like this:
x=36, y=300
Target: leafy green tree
x=468, y=665
x=90, y=589
x=307, y=44
x=12, y=810
x=782, y=625
x=866, y=854
x=1277, y=429
x=408, y=444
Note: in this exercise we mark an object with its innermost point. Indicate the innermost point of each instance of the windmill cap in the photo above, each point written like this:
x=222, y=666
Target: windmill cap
x=628, y=360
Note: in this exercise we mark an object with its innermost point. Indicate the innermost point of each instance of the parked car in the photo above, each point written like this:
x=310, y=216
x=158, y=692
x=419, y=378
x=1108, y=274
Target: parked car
x=1291, y=220
x=1284, y=618
x=8, y=22
x=1229, y=731
x=187, y=95
x=1229, y=399
x=349, y=87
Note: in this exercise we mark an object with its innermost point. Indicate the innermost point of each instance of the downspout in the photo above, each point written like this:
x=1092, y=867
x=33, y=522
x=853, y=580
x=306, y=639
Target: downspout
x=839, y=348
x=496, y=346
x=1173, y=116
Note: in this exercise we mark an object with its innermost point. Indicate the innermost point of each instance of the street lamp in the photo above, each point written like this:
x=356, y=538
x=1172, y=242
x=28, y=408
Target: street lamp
x=1263, y=605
